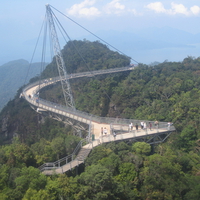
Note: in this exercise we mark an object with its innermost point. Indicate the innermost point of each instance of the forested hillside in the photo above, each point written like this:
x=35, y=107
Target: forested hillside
x=166, y=92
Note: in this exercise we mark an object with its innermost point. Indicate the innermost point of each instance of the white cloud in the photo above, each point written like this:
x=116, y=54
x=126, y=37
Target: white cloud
x=179, y=9
x=91, y=9
x=114, y=7
x=84, y=9
x=195, y=10
x=158, y=7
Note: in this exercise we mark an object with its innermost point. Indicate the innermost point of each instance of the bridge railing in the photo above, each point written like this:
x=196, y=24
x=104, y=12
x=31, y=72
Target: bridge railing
x=77, y=113
x=98, y=72
x=57, y=108
x=124, y=126
x=67, y=159
x=48, y=81
x=123, y=133
x=41, y=103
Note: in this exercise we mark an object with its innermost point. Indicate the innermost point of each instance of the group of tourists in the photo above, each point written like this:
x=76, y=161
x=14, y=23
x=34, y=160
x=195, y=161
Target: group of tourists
x=144, y=125
x=131, y=126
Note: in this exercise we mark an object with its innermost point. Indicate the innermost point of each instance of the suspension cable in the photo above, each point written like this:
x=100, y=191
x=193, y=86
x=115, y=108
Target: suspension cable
x=76, y=49
x=61, y=28
x=43, y=51
x=73, y=44
x=31, y=61
x=95, y=35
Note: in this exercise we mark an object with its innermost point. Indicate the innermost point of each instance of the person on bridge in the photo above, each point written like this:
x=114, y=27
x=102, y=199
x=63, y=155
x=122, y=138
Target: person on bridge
x=101, y=131
x=136, y=127
x=131, y=126
x=150, y=126
x=105, y=131
x=142, y=125
x=114, y=134
x=156, y=124
x=169, y=125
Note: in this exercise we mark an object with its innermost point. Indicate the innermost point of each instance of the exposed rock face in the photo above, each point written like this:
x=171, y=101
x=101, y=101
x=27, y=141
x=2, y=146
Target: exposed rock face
x=4, y=124
x=5, y=132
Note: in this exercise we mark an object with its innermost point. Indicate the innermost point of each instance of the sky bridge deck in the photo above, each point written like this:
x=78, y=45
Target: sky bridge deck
x=30, y=93
x=97, y=124
x=153, y=136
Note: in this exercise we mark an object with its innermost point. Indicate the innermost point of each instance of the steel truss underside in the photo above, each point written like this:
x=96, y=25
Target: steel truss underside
x=79, y=128
x=150, y=139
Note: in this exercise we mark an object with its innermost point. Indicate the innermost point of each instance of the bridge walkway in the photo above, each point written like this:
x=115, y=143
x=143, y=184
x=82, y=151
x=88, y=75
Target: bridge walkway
x=59, y=166
x=97, y=123
x=117, y=125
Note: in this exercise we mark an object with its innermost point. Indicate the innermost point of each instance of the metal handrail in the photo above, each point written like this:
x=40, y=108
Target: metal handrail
x=102, y=139
x=88, y=116
x=126, y=135
x=85, y=115
x=57, y=164
x=79, y=75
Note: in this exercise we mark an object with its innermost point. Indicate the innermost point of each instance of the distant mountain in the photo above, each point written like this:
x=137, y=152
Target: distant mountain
x=13, y=75
x=168, y=34
x=153, y=44
x=143, y=45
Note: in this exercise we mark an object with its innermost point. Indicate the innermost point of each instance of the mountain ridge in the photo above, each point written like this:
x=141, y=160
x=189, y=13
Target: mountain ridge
x=13, y=75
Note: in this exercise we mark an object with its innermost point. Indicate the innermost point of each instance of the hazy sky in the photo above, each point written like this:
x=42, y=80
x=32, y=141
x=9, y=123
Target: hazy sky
x=21, y=20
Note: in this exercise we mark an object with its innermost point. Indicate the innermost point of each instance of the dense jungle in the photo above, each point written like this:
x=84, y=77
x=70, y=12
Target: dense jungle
x=168, y=91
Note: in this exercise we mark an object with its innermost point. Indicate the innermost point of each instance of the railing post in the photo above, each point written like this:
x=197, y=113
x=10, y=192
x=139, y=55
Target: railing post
x=90, y=129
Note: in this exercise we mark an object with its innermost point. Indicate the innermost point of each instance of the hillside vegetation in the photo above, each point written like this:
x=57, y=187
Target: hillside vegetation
x=166, y=92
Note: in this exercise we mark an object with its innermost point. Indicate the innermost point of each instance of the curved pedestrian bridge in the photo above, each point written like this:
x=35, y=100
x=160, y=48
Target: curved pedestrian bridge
x=118, y=126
